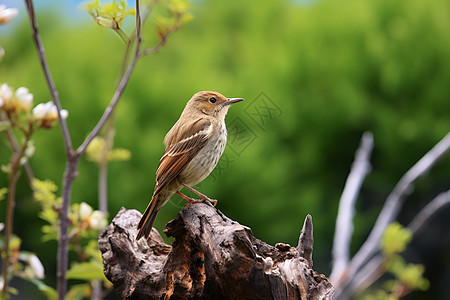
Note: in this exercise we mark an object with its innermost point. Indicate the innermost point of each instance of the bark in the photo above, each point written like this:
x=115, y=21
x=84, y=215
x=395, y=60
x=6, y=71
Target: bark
x=211, y=257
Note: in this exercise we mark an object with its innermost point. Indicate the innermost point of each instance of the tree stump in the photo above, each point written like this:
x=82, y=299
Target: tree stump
x=211, y=257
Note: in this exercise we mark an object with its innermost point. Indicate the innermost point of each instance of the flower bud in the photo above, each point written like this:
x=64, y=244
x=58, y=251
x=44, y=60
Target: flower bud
x=46, y=114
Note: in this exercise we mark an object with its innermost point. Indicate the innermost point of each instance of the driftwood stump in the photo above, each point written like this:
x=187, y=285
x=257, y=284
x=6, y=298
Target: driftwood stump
x=212, y=257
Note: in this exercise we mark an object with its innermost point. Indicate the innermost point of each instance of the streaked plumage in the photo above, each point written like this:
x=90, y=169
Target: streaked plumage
x=194, y=146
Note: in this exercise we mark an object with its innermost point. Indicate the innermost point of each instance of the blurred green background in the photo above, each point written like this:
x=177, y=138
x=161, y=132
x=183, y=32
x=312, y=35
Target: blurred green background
x=315, y=76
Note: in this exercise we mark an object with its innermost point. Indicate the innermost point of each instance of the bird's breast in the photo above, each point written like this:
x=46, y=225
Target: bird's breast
x=206, y=159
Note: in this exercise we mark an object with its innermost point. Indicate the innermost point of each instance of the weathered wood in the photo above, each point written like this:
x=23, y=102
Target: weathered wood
x=211, y=257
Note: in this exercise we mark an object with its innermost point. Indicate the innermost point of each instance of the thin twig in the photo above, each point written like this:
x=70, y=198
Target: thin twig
x=155, y=49
x=344, y=221
x=125, y=60
x=103, y=166
x=11, y=203
x=429, y=210
x=368, y=274
x=391, y=208
x=48, y=76
x=15, y=147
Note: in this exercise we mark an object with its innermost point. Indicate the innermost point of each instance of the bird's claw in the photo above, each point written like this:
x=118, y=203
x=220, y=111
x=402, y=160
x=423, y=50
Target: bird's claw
x=194, y=201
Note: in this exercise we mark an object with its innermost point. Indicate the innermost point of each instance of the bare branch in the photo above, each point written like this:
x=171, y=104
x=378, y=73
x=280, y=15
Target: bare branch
x=367, y=275
x=391, y=208
x=155, y=49
x=430, y=209
x=344, y=221
x=48, y=76
x=373, y=269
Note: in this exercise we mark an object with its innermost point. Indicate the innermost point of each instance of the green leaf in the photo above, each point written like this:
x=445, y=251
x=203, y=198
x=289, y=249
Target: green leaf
x=412, y=277
x=119, y=154
x=12, y=290
x=95, y=150
x=47, y=290
x=78, y=292
x=86, y=271
x=92, y=251
x=3, y=192
x=395, y=239
x=4, y=125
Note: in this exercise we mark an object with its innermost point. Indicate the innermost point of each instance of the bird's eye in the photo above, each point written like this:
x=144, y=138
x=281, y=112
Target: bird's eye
x=212, y=100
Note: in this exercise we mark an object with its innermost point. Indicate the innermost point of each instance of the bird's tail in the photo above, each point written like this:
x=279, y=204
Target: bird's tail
x=148, y=218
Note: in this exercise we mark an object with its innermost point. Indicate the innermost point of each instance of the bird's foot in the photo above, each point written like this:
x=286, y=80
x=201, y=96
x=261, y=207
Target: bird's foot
x=212, y=201
x=193, y=201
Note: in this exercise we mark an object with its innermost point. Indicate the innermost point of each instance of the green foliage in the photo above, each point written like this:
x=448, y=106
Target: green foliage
x=98, y=151
x=25, y=265
x=408, y=277
x=334, y=68
x=110, y=14
x=86, y=271
x=44, y=194
x=78, y=292
x=395, y=239
x=380, y=295
x=85, y=225
x=173, y=18
x=49, y=292
x=3, y=192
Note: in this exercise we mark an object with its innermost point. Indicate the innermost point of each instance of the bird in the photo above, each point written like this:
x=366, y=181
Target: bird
x=193, y=147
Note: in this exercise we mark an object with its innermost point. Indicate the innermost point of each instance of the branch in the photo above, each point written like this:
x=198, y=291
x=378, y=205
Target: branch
x=120, y=88
x=344, y=221
x=15, y=147
x=48, y=76
x=155, y=49
x=391, y=208
x=11, y=203
x=211, y=257
x=428, y=211
x=373, y=269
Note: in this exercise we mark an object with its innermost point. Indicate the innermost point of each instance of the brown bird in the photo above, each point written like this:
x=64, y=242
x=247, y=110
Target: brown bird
x=194, y=146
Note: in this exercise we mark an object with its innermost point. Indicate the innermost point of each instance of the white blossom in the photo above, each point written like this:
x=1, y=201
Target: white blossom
x=36, y=267
x=24, y=97
x=6, y=93
x=43, y=110
x=6, y=14
x=85, y=210
x=107, y=22
x=98, y=220
x=47, y=114
x=29, y=151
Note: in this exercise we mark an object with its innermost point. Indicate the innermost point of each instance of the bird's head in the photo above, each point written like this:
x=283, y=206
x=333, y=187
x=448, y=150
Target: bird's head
x=211, y=103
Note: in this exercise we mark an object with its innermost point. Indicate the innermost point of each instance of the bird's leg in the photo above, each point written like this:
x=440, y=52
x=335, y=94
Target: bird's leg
x=188, y=199
x=203, y=197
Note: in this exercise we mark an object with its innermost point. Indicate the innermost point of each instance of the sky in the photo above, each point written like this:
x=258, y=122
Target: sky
x=68, y=7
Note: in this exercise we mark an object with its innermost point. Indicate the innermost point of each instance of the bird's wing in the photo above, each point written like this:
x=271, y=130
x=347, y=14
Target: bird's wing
x=188, y=142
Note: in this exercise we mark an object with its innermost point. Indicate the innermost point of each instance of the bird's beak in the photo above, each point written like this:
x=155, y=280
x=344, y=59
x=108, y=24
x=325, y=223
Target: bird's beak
x=231, y=101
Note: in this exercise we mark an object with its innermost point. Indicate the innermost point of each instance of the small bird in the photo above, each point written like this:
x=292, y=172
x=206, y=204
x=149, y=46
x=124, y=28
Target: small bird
x=194, y=146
